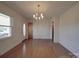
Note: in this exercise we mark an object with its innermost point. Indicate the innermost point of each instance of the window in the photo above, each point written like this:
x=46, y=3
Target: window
x=24, y=29
x=5, y=26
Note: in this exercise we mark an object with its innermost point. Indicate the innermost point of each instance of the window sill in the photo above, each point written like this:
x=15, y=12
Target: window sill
x=5, y=37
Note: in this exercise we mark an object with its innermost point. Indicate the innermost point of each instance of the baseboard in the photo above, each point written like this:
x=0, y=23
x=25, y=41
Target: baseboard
x=68, y=50
x=12, y=49
x=42, y=39
x=24, y=40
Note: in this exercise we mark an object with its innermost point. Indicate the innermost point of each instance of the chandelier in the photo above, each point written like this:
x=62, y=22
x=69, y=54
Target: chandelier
x=38, y=15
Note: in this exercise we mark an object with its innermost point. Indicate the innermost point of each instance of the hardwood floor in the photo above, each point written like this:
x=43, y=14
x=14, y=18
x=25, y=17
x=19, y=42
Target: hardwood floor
x=38, y=49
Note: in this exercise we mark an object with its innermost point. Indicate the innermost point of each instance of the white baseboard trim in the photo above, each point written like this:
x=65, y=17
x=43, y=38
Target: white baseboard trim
x=42, y=38
x=76, y=54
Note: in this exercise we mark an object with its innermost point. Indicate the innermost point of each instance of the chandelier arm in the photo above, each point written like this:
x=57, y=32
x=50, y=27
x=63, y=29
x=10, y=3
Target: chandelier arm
x=38, y=14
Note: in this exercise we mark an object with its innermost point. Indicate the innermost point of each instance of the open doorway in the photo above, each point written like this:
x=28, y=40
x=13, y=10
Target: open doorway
x=30, y=30
x=52, y=31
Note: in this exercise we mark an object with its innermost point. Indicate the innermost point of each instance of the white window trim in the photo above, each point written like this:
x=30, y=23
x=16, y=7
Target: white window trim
x=24, y=29
x=6, y=36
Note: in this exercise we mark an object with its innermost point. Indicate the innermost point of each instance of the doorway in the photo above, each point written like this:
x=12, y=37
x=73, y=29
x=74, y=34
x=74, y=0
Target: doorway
x=30, y=30
x=52, y=31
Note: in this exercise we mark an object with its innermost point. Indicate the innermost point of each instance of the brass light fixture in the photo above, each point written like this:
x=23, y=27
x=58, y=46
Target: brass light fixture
x=38, y=15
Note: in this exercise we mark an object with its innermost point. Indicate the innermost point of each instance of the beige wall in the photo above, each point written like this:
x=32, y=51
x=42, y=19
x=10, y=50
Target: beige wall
x=17, y=32
x=69, y=29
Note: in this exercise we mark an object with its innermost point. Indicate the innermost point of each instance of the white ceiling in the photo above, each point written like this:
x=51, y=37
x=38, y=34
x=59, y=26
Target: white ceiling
x=50, y=9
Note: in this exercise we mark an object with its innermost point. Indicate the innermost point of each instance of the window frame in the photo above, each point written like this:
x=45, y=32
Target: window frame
x=24, y=29
x=10, y=32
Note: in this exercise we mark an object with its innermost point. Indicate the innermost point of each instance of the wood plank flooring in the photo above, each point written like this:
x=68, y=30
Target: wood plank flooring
x=38, y=49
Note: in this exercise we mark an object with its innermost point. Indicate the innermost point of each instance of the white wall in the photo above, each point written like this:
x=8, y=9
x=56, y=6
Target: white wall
x=17, y=31
x=42, y=29
x=69, y=29
x=56, y=29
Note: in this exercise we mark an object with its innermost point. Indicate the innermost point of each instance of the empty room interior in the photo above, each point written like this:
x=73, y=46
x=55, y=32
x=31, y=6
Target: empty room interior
x=39, y=29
